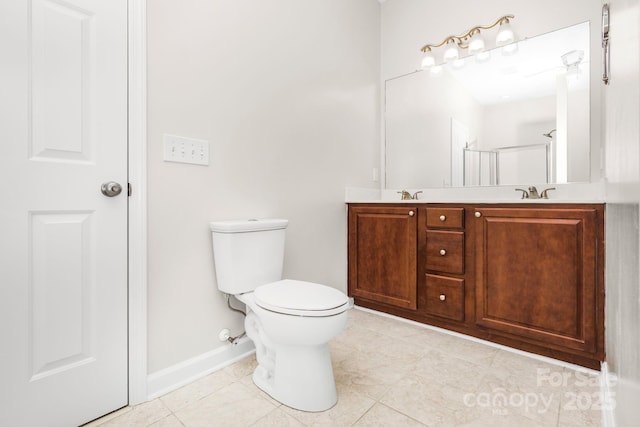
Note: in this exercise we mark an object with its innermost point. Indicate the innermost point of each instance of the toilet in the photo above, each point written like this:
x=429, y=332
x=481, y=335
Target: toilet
x=290, y=321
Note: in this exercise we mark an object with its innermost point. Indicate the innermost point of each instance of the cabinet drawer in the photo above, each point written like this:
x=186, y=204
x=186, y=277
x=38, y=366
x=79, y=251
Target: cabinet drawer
x=445, y=251
x=445, y=297
x=445, y=217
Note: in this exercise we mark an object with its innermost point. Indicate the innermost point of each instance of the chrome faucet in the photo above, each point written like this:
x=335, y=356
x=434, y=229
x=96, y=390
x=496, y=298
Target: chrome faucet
x=533, y=193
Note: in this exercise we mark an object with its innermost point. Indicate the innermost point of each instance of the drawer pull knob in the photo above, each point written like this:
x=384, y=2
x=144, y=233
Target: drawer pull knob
x=478, y=214
x=443, y=218
x=411, y=213
x=443, y=252
x=442, y=297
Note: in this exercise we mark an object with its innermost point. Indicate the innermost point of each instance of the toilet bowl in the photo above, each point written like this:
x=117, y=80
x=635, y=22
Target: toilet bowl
x=292, y=346
x=290, y=321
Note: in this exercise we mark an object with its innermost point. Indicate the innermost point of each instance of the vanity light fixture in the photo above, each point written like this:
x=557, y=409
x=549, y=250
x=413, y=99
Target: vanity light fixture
x=471, y=40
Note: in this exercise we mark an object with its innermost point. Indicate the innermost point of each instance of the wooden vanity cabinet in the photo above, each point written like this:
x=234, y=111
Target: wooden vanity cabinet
x=383, y=251
x=529, y=276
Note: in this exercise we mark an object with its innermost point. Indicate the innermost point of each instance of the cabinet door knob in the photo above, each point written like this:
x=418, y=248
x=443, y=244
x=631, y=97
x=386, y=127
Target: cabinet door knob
x=478, y=214
x=442, y=297
x=443, y=252
x=411, y=213
x=443, y=218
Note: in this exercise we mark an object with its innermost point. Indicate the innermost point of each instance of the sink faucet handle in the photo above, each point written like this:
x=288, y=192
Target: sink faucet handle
x=415, y=195
x=544, y=194
x=405, y=195
x=525, y=194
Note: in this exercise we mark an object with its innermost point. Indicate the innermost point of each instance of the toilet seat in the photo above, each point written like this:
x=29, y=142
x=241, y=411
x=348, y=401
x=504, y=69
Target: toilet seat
x=298, y=298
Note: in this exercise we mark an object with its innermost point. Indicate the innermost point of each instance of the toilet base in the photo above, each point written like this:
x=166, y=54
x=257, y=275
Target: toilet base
x=302, y=378
x=299, y=376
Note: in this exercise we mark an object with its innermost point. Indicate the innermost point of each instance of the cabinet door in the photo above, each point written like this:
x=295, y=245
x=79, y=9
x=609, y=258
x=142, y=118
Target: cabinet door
x=537, y=274
x=383, y=254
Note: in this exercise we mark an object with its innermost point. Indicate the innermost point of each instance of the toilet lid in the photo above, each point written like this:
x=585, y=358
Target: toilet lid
x=300, y=298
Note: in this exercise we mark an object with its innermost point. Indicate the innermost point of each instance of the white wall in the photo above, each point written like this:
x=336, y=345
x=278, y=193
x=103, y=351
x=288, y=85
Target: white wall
x=286, y=92
x=622, y=153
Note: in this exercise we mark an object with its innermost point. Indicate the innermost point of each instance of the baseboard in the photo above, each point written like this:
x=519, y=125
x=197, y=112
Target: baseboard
x=607, y=381
x=183, y=373
x=626, y=396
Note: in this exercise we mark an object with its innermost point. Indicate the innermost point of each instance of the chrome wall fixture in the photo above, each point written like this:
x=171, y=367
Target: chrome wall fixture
x=605, y=43
x=471, y=40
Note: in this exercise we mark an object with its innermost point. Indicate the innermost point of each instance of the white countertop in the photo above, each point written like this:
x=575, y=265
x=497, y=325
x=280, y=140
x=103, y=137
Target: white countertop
x=563, y=193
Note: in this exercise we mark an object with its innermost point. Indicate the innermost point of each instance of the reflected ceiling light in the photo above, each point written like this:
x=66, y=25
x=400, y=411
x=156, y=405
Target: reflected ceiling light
x=483, y=56
x=571, y=61
x=436, y=70
x=510, y=49
x=471, y=40
x=458, y=63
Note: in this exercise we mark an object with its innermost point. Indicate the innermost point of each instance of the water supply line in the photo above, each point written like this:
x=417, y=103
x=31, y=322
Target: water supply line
x=234, y=340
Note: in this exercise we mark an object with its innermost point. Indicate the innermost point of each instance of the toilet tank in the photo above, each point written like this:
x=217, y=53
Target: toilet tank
x=247, y=253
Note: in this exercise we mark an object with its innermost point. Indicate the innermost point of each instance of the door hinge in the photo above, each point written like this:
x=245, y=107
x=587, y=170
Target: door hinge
x=129, y=189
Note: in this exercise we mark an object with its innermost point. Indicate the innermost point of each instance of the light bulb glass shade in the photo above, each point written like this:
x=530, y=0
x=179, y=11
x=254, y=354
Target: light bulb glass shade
x=476, y=43
x=505, y=34
x=428, y=60
x=451, y=52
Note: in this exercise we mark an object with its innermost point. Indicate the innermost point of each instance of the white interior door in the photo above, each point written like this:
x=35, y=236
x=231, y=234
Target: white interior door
x=63, y=244
x=459, y=141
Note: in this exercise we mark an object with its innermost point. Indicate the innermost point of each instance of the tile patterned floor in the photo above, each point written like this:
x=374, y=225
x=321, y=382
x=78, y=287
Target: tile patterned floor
x=391, y=373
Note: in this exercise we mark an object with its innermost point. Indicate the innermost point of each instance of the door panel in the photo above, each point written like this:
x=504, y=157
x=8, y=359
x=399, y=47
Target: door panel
x=537, y=274
x=63, y=251
x=61, y=291
x=383, y=251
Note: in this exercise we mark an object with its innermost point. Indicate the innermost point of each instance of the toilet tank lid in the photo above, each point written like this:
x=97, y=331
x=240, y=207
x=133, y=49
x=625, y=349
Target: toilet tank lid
x=248, y=225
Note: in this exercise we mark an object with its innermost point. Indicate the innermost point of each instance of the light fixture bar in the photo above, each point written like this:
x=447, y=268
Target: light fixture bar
x=461, y=39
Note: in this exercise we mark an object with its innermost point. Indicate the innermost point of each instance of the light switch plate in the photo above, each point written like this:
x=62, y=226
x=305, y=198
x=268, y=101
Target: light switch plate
x=186, y=150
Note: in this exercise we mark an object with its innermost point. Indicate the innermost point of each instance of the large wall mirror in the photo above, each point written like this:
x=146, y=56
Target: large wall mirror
x=519, y=118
